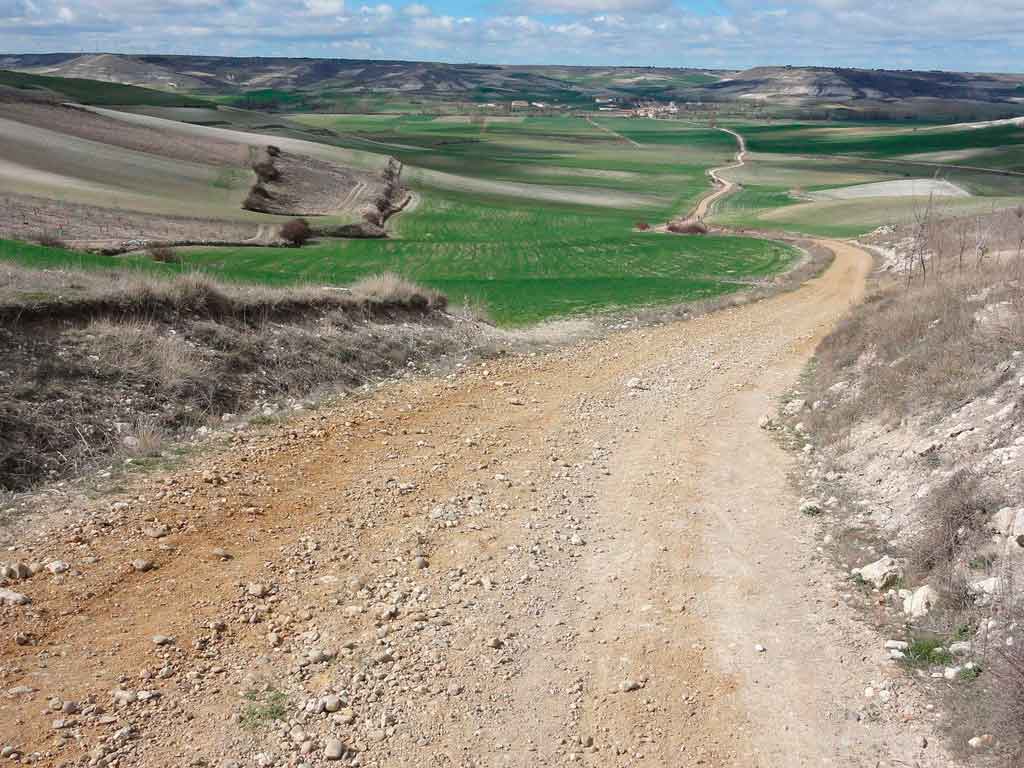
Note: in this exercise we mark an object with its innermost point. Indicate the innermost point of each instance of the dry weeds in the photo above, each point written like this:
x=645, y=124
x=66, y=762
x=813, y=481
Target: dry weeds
x=914, y=353
x=390, y=289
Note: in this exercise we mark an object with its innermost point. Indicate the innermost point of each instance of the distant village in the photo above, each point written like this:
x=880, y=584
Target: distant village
x=611, y=105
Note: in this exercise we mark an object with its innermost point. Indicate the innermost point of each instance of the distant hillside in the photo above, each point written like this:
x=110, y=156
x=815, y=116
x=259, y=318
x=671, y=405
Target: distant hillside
x=470, y=82
x=856, y=84
x=92, y=92
x=303, y=84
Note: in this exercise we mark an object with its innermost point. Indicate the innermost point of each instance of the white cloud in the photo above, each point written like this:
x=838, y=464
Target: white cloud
x=966, y=34
x=597, y=6
x=325, y=7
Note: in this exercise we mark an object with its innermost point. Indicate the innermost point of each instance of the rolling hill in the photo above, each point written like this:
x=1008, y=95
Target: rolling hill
x=302, y=84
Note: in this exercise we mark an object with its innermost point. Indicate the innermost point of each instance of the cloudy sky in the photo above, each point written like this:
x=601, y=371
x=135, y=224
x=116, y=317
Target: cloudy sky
x=921, y=34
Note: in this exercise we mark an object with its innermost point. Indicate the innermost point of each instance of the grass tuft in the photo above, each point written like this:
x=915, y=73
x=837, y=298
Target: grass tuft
x=262, y=709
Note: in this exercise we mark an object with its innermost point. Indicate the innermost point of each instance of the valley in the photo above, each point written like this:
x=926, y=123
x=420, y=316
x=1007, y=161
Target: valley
x=395, y=413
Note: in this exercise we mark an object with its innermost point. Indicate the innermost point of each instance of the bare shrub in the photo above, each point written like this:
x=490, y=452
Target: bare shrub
x=296, y=232
x=688, y=227
x=473, y=310
x=258, y=199
x=954, y=513
x=50, y=238
x=266, y=171
x=391, y=289
x=163, y=252
x=1006, y=694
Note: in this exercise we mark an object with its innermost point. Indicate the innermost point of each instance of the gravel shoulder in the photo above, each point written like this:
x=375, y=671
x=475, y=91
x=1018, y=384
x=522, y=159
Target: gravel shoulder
x=540, y=560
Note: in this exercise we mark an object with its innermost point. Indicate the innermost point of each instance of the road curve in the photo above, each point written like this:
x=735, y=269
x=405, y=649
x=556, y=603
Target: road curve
x=541, y=561
x=724, y=186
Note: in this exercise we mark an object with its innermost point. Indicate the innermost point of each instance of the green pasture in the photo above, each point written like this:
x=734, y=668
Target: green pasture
x=877, y=142
x=789, y=159
x=95, y=92
x=525, y=262
x=536, y=218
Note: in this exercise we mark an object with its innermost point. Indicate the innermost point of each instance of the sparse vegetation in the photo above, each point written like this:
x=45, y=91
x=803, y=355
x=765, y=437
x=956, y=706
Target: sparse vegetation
x=930, y=363
x=927, y=651
x=163, y=355
x=263, y=709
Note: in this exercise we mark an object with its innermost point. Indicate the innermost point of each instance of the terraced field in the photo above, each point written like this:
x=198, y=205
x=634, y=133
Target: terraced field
x=795, y=168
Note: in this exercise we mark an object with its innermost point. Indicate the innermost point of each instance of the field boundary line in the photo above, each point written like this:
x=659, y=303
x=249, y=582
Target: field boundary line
x=606, y=129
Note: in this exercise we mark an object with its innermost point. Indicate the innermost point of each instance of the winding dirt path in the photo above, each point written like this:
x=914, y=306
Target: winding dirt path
x=722, y=187
x=725, y=187
x=605, y=536
x=586, y=557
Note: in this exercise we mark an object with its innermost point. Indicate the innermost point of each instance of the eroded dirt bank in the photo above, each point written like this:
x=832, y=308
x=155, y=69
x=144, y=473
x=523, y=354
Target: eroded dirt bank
x=590, y=556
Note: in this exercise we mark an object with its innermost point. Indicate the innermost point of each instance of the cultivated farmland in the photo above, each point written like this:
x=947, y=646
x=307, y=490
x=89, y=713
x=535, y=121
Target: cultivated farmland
x=528, y=217
x=532, y=217
x=847, y=180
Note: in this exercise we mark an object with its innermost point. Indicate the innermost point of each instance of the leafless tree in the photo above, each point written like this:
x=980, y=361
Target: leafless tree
x=921, y=239
x=963, y=238
x=981, y=236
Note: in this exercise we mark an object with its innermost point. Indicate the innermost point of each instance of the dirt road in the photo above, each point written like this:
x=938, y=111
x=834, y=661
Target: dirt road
x=723, y=187
x=536, y=562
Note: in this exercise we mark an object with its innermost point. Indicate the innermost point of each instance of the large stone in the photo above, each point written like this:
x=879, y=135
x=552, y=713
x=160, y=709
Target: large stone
x=1008, y=521
x=882, y=573
x=961, y=648
x=794, y=407
x=920, y=602
x=9, y=597
x=333, y=749
x=987, y=586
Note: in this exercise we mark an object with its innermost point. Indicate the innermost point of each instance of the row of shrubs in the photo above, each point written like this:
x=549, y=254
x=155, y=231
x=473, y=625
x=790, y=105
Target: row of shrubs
x=296, y=233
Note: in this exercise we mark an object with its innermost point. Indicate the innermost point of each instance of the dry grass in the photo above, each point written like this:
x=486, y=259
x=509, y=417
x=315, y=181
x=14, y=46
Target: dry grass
x=143, y=352
x=92, y=351
x=928, y=350
x=390, y=289
x=28, y=295
x=146, y=439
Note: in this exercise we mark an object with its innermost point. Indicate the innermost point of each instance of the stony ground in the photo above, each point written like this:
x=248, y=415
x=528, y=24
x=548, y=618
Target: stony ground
x=592, y=556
